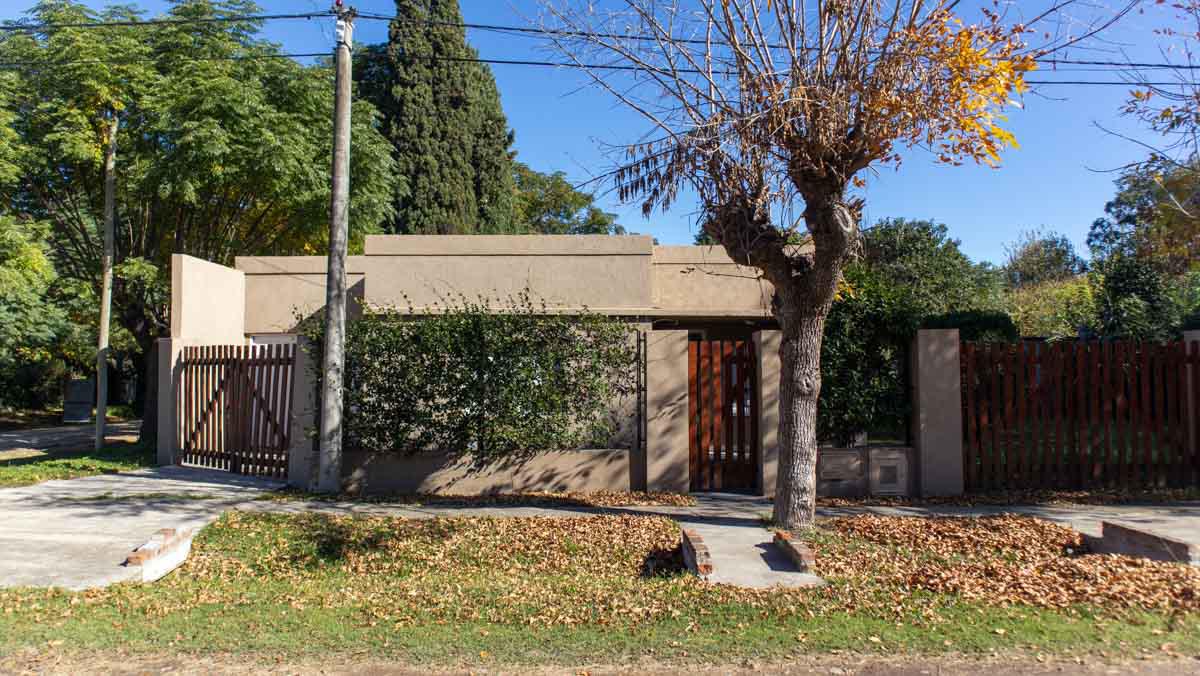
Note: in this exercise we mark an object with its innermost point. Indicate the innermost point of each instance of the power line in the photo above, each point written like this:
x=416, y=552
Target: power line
x=48, y=27
x=519, y=30
x=525, y=30
x=504, y=62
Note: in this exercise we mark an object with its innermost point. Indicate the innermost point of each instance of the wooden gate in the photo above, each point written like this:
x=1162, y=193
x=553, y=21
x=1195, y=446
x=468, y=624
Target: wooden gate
x=1079, y=415
x=234, y=406
x=723, y=415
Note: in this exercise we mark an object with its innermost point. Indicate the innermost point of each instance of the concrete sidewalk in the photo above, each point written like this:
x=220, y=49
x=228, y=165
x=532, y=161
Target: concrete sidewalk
x=76, y=533
x=1180, y=521
x=67, y=438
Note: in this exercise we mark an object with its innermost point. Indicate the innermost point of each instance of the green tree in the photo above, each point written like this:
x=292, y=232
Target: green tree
x=921, y=257
x=1063, y=308
x=1135, y=300
x=223, y=147
x=1146, y=219
x=442, y=114
x=30, y=325
x=1038, y=257
x=548, y=204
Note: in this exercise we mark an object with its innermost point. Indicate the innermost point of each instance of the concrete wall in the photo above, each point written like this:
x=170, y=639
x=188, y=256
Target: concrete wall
x=612, y=275
x=207, y=308
x=568, y=271
x=281, y=288
x=207, y=302
x=667, y=448
x=703, y=281
x=577, y=471
x=937, y=404
x=766, y=346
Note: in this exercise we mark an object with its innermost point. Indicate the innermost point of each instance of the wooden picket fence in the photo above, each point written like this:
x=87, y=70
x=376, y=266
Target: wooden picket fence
x=234, y=405
x=1072, y=415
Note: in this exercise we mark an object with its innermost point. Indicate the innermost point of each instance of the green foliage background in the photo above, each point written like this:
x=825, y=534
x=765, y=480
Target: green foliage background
x=485, y=378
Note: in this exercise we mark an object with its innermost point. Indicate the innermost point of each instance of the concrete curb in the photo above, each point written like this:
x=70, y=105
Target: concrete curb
x=797, y=551
x=1118, y=537
x=696, y=554
x=163, y=553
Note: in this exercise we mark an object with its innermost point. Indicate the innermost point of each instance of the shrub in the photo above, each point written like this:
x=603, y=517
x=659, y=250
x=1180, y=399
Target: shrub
x=864, y=357
x=484, y=378
x=1057, y=309
x=981, y=325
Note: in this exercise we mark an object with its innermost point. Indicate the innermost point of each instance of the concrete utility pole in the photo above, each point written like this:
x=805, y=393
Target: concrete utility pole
x=329, y=471
x=106, y=278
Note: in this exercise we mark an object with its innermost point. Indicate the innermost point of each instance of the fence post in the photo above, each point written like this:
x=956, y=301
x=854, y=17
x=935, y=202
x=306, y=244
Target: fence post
x=302, y=453
x=937, y=412
x=667, y=450
x=766, y=349
x=170, y=371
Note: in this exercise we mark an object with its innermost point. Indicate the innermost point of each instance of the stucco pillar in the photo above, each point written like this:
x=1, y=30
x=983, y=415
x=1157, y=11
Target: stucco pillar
x=170, y=355
x=766, y=347
x=1193, y=447
x=667, y=411
x=302, y=454
x=937, y=415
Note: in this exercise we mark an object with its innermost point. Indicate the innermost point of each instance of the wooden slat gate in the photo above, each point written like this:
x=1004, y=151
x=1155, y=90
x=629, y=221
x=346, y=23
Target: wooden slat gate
x=723, y=415
x=234, y=406
x=1071, y=415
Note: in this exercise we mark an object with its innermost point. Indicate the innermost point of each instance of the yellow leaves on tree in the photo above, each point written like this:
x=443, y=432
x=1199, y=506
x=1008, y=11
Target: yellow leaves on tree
x=944, y=87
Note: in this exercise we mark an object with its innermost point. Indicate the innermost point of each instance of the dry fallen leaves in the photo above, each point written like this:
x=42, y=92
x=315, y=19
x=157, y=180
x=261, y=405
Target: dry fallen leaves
x=1005, y=560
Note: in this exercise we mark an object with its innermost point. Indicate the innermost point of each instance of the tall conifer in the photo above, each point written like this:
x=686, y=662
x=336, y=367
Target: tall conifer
x=442, y=114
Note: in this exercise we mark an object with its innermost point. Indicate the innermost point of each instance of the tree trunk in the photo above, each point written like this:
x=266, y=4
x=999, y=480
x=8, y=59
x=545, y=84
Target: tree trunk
x=799, y=389
x=802, y=301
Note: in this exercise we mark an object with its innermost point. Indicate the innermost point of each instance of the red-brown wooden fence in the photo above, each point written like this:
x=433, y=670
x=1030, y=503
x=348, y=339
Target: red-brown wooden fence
x=234, y=406
x=1071, y=415
x=723, y=415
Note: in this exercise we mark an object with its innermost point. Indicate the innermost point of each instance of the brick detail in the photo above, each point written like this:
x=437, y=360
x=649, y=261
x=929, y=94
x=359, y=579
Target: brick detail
x=163, y=543
x=695, y=553
x=797, y=551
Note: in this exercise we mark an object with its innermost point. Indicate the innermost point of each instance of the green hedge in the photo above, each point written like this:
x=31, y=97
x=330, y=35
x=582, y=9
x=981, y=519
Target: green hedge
x=485, y=378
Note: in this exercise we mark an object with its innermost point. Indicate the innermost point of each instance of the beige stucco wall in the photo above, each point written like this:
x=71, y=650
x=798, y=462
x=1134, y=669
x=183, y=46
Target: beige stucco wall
x=611, y=275
x=766, y=346
x=937, y=401
x=703, y=281
x=567, y=271
x=667, y=449
x=576, y=471
x=281, y=288
x=207, y=302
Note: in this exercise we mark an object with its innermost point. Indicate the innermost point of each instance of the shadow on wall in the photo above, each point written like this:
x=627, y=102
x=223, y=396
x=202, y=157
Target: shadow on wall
x=559, y=471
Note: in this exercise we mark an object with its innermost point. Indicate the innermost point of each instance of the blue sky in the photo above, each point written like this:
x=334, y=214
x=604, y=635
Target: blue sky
x=1057, y=179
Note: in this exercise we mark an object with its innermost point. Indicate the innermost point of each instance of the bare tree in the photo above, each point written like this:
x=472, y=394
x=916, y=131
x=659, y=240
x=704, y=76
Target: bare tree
x=772, y=109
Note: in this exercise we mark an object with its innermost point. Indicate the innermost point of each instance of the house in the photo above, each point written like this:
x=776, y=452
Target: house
x=705, y=335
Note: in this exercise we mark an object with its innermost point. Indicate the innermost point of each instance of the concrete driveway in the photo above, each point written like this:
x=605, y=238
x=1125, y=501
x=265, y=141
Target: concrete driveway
x=76, y=533
x=63, y=439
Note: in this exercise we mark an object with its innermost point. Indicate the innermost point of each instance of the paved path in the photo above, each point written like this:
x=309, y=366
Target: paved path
x=75, y=533
x=63, y=439
x=1176, y=520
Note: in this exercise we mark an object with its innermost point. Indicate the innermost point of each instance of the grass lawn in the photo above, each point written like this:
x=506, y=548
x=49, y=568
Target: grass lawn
x=21, y=468
x=606, y=589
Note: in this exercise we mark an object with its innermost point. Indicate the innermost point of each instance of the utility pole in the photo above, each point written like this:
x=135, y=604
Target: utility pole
x=329, y=472
x=106, y=277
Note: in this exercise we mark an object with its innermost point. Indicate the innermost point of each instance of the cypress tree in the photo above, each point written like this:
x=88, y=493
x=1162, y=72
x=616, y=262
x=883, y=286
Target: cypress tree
x=443, y=116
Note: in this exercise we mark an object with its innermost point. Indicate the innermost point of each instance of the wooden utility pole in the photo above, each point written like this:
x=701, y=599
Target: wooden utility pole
x=106, y=277
x=329, y=470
